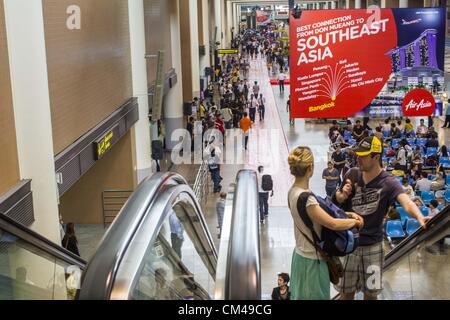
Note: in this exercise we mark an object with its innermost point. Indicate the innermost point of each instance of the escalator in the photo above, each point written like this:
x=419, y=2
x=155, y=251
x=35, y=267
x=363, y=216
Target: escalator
x=160, y=247
x=418, y=268
x=26, y=255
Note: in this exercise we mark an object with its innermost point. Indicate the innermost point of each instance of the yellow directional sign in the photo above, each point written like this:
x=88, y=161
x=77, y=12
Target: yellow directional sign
x=285, y=38
x=281, y=30
x=227, y=51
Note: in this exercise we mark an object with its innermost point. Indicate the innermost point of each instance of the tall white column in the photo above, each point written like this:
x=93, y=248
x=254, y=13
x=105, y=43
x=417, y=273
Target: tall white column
x=223, y=20
x=30, y=91
x=347, y=4
x=195, y=57
x=218, y=20
x=237, y=19
x=205, y=60
x=403, y=4
x=173, y=100
x=139, y=77
x=357, y=4
x=229, y=24
x=333, y=5
x=239, y=15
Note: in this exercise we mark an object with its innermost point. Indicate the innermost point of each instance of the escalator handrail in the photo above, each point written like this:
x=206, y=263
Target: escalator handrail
x=99, y=278
x=133, y=261
x=38, y=241
x=243, y=276
x=408, y=244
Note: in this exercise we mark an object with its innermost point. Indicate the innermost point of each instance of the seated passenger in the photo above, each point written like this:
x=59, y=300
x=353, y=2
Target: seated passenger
x=423, y=184
x=422, y=130
x=395, y=132
x=438, y=182
x=410, y=192
x=433, y=209
x=409, y=128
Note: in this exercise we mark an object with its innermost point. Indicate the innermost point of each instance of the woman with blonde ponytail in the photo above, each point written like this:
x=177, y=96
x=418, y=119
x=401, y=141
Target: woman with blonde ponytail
x=309, y=273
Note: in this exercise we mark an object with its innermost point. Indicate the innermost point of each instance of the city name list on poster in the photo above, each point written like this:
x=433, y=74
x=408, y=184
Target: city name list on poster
x=334, y=80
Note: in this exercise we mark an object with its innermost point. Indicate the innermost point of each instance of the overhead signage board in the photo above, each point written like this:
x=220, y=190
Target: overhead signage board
x=227, y=51
x=341, y=60
x=106, y=142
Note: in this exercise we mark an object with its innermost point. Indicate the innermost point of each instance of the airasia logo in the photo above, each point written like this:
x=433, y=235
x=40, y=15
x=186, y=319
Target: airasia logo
x=417, y=106
x=417, y=103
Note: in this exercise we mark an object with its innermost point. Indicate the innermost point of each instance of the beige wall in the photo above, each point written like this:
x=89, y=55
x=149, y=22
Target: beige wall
x=9, y=163
x=89, y=69
x=83, y=202
x=157, y=31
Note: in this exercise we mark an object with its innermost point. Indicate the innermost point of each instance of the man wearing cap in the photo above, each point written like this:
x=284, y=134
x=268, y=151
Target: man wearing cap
x=369, y=191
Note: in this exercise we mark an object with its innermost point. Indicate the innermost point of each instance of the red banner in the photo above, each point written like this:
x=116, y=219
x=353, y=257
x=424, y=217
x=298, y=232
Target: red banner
x=344, y=62
x=338, y=61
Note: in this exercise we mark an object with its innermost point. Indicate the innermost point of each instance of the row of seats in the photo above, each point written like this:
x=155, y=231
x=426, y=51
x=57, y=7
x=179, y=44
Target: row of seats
x=429, y=151
x=394, y=228
x=427, y=196
x=411, y=141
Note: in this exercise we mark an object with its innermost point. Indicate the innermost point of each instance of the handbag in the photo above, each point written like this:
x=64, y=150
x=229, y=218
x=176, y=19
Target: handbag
x=335, y=268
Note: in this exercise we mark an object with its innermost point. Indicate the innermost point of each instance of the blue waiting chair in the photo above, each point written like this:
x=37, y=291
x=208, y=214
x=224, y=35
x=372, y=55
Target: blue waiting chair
x=447, y=195
x=394, y=229
x=394, y=143
x=447, y=180
x=347, y=135
x=403, y=215
x=431, y=176
x=445, y=161
x=386, y=134
x=431, y=151
x=411, y=226
x=440, y=207
x=421, y=142
x=427, y=196
x=425, y=211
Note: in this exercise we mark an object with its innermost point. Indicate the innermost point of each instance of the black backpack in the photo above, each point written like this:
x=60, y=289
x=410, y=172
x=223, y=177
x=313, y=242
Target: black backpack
x=267, y=183
x=335, y=243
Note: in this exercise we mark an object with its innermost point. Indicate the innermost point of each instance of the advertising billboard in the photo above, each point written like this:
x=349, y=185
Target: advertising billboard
x=262, y=16
x=344, y=62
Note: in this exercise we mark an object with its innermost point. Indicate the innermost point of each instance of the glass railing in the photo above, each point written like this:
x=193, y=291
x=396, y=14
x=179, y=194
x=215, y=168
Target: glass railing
x=159, y=247
x=33, y=268
x=419, y=268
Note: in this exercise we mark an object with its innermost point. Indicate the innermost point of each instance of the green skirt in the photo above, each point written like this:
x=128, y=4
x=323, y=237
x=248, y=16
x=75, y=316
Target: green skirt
x=310, y=279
